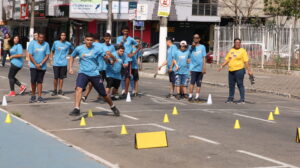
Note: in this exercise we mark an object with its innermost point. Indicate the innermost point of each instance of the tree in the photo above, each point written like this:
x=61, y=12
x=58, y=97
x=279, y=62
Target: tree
x=242, y=9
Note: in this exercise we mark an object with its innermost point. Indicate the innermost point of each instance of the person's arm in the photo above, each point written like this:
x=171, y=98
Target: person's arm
x=247, y=64
x=162, y=65
x=227, y=59
x=30, y=51
x=19, y=52
x=47, y=55
x=71, y=61
x=204, y=60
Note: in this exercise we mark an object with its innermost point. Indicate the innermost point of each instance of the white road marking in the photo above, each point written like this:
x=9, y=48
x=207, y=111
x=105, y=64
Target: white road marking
x=163, y=127
x=241, y=115
x=198, y=109
x=162, y=100
x=64, y=97
x=3, y=77
x=130, y=117
x=83, y=102
x=93, y=156
x=38, y=104
x=204, y=139
x=267, y=159
x=273, y=167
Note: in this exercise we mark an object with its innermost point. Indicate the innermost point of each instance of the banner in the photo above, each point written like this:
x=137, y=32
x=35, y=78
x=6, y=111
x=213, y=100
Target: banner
x=142, y=12
x=85, y=6
x=164, y=8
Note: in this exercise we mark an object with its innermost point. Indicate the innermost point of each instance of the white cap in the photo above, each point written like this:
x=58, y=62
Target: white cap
x=183, y=43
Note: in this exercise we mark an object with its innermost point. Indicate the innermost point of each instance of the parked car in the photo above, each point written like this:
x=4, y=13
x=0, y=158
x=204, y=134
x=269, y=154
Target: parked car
x=151, y=54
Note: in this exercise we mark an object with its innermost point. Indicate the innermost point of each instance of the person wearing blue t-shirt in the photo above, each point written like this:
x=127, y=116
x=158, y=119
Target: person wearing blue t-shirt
x=172, y=48
x=59, y=52
x=88, y=72
x=197, y=66
x=106, y=47
x=126, y=41
x=35, y=37
x=113, y=71
x=136, y=61
x=16, y=61
x=181, y=62
x=39, y=54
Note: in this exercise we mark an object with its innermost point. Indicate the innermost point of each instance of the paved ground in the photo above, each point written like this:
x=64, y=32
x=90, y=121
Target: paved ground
x=266, y=81
x=200, y=136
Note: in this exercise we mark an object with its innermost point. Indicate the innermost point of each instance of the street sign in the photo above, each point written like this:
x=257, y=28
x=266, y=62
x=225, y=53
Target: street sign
x=83, y=6
x=142, y=12
x=164, y=8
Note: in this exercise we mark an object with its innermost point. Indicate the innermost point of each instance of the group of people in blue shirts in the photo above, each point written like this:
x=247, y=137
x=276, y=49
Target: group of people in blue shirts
x=98, y=62
x=186, y=66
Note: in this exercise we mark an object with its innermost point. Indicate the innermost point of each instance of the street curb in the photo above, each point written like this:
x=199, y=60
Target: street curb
x=248, y=89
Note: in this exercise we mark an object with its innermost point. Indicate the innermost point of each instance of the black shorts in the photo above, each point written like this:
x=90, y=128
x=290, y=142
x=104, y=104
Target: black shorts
x=135, y=74
x=37, y=76
x=172, y=77
x=97, y=82
x=112, y=82
x=103, y=74
x=196, y=78
x=126, y=72
x=60, y=72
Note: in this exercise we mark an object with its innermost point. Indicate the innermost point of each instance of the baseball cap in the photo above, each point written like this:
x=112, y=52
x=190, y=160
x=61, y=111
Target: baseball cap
x=183, y=43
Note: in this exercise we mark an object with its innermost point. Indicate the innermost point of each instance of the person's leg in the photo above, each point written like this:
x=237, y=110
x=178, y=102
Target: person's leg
x=40, y=79
x=11, y=77
x=231, y=83
x=185, y=82
x=61, y=83
x=4, y=55
x=40, y=89
x=62, y=75
x=33, y=75
x=55, y=81
x=116, y=85
x=78, y=94
x=177, y=85
x=199, y=83
x=136, y=79
x=81, y=82
x=240, y=74
x=88, y=90
x=192, y=84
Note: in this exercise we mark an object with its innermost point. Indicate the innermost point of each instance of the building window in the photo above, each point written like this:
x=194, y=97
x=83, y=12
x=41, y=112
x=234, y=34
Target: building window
x=205, y=7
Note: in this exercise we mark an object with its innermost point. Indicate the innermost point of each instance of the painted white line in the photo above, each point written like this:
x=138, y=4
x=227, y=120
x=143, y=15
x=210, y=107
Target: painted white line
x=273, y=167
x=130, y=117
x=39, y=104
x=163, y=127
x=99, y=127
x=83, y=102
x=241, y=115
x=101, y=108
x=64, y=97
x=267, y=159
x=3, y=77
x=93, y=156
x=164, y=100
x=204, y=139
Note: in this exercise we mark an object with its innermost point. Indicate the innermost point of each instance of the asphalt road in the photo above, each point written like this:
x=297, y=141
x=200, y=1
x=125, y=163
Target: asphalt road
x=201, y=136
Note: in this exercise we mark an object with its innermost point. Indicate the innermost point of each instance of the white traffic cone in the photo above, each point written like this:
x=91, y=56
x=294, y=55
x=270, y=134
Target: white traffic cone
x=128, y=99
x=4, y=102
x=209, y=100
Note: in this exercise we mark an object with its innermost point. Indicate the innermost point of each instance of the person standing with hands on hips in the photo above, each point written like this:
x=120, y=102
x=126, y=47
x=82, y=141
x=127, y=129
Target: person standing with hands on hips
x=237, y=60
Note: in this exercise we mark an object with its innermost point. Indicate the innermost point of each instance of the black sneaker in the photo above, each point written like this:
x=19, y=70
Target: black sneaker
x=75, y=112
x=177, y=97
x=60, y=92
x=115, y=111
x=240, y=102
x=169, y=96
x=123, y=96
x=190, y=99
x=186, y=96
x=32, y=99
x=229, y=101
x=41, y=100
x=54, y=93
x=83, y=98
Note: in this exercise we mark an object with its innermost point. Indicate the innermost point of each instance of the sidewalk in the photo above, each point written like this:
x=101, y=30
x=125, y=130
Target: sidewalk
x=23, y=146
x=265, y=82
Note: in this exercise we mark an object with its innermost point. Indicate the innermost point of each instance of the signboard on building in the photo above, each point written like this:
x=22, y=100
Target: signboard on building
x=85, y=6
x=142, y=12
x=164, y=8
x=40, y=9
x=24, y=11
x=132, y=10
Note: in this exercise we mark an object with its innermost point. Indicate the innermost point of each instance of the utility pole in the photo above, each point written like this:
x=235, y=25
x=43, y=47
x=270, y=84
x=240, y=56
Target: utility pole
x=31, y=31
x=163, y=33
x=109, y=17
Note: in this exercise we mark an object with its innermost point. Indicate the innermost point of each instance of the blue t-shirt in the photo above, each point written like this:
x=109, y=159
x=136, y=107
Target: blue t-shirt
x=170, y=55
x=105, y=48
x=114, y=70
x=125, y=58
x=88, y=59
x=101, y=62
x=128, y=43
x=181, y=58
x=39, y=52
x=17, y=50
x=61, y=51
x=196, y=56
x=135, y=64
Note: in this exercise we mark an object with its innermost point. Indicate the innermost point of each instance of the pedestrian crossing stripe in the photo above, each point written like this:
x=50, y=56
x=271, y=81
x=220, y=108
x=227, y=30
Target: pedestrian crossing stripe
x=298, y=135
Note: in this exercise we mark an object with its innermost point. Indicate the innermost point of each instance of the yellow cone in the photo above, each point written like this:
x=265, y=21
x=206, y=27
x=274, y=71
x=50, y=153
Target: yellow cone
x=124, y=130
x=237, y=125
x=271, y=117
x=7, y=119
x=276, y=111
x=90, y=113
x=175, y=112
x=166, y=119
x=82, y=122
